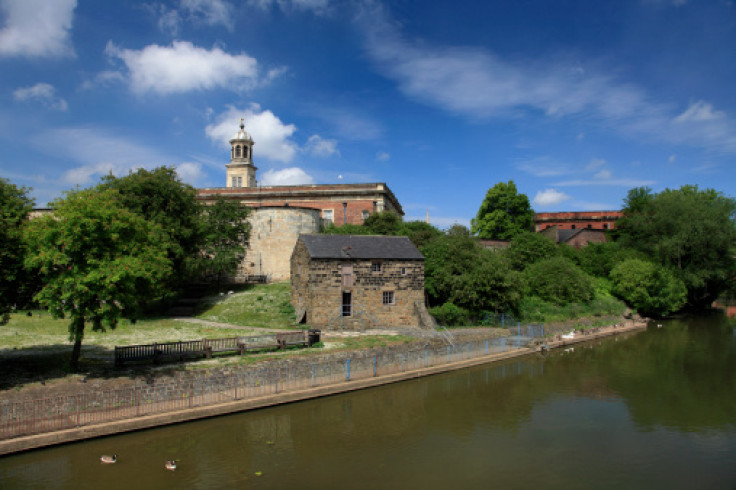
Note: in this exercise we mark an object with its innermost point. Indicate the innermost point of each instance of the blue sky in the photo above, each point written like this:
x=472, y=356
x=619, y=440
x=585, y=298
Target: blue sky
x=576, y=101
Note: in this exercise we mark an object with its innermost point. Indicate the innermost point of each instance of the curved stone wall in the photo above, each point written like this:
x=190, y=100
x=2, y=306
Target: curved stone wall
x=274, y=231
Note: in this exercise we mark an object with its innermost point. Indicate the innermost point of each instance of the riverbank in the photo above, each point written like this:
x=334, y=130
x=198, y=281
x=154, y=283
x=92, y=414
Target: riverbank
x=134, y=421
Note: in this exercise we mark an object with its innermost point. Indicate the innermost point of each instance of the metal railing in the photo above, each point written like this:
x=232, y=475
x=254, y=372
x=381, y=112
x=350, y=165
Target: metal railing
x=28, y=417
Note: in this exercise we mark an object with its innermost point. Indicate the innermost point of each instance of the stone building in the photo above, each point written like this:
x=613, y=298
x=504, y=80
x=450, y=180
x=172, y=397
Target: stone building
x=281, y=213
x=575, y=220
x=357, y=282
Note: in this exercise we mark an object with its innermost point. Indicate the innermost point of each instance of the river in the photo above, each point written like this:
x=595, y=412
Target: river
x=655, y=409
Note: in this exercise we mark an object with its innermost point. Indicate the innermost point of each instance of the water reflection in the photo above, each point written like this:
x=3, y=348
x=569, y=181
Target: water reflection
x=655, y=409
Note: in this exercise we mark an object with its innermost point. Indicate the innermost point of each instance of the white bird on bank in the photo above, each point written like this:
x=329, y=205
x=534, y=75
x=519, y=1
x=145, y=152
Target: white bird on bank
x=109, y=459
x=568, y=335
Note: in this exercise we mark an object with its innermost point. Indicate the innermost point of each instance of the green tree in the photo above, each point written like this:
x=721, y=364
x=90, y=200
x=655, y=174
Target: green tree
x=503, y=214
x=649, y=288
x=99, y=261
x=159, y=196
x=559, y=281
x=226, y=232
x=459, y=271
x=15, y=206
x=527, y=248
x=689, y=231
x=383, y=223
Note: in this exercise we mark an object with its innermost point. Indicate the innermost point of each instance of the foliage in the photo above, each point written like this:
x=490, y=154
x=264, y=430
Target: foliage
x=346, y=229
x=159, y=196
x=535, y=309
x=15, y=206
x=419, y=232
x=383, y=223
x=689, y=231
x=99, y=261
x=527, y=248
x=459, y=271
x=504, y=213
x=559, y=281
x=450, y=315
x=598, y=259
x=649, y=288
x=226, y=232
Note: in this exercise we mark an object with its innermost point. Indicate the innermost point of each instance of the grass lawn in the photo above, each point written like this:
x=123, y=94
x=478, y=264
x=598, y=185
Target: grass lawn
x=263, y=305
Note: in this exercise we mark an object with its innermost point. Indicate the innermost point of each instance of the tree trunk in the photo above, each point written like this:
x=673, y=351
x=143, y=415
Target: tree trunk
x=77, y=333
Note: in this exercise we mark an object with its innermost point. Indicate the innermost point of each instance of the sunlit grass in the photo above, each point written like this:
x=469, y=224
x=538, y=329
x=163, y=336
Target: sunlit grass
x=264, y=306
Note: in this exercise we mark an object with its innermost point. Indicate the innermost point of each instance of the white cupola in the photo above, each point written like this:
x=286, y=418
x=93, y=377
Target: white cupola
x=240, y=171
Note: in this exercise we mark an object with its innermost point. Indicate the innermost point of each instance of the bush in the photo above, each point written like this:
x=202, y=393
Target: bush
x=558, y=280
x=450, y=315
x=649, y=288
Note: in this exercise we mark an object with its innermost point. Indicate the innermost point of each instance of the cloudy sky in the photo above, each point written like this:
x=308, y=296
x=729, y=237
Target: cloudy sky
x=576, y=101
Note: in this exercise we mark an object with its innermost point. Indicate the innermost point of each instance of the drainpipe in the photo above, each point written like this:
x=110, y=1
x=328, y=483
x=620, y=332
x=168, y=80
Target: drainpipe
x=344, y=213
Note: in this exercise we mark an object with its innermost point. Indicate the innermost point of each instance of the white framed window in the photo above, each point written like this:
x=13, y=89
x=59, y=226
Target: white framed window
x=376, y=267
x=403, y=271
x=388, y=298
x=328, y=215
x=365, y=215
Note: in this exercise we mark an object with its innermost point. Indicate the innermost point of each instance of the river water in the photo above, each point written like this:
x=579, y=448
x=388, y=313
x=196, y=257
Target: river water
x=655, y=409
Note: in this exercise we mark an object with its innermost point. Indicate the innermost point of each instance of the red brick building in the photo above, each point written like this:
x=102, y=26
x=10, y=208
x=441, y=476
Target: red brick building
x=575, y=220
x=337, y=203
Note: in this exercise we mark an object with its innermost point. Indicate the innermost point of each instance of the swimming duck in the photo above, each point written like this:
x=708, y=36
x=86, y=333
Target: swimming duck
x=170, y=465
x=109, y=459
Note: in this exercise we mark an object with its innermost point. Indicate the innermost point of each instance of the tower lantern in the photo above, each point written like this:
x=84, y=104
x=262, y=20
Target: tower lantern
x=240, y=171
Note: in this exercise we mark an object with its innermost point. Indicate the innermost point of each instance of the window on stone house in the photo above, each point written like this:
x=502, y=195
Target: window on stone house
x=376, y=267
x=347, y=303
x=403, y=271
x=388, y=298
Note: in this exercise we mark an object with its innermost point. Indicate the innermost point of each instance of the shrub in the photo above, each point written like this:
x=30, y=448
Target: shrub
x=559, y=281
x=649, y=288
x=450, y=315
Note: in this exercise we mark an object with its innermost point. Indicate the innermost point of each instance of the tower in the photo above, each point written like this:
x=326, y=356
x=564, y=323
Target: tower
x=240, y=171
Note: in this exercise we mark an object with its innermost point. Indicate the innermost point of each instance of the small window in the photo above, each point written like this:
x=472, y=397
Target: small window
x=605, y=226
x=376, y=267
x=237, y=151
x=388, y=297
x=590, y=227
x=328, y=215
x=573, y=227
x=403, y=271
x=240, y=182
x=347, y=304
x=365, y=215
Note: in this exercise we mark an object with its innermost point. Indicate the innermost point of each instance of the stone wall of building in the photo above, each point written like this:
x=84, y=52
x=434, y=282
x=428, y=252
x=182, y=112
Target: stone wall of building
x=274, y=232
x=318, y=286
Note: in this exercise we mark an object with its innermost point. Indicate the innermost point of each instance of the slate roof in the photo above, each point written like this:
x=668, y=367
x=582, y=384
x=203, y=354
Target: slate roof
x=360, y=247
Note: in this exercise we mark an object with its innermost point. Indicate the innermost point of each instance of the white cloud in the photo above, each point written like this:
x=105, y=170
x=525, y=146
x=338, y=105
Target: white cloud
x=595, y=164
x=103, y=79
x=549, y=197
x=198, y=12
x=382, y=156
x=41, y=92
x=672, y=158
x=286, y=176
x=190, y=172
x=317, y=6
x=320, y=147
x=543, y=166
x=477, y=83
x=272, y=137
x=96, y=153
x=36, y=27
x=610, y=182
x=183, y=67
x=604, y=174
x=700, y=111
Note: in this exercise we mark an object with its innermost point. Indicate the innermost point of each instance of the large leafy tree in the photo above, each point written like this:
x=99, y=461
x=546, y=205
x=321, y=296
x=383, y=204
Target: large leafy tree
x=459, y=271
x=15, y=205
x=527, y=248
x=226, y=233
x=504, y=213
x=558, y=280
x=689, y=231
x=648, y=287
x=98, y=259
x=159, y=196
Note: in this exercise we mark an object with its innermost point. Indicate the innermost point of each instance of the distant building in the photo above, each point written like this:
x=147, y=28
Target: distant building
x=575, y=220
x=356, y=282
x=577, y=238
